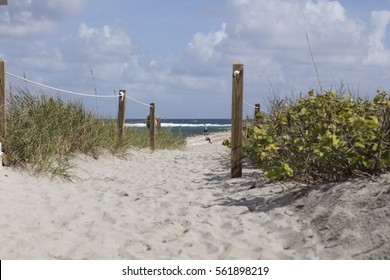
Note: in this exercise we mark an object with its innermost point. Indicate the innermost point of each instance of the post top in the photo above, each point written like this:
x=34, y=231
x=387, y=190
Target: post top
x=237, y=62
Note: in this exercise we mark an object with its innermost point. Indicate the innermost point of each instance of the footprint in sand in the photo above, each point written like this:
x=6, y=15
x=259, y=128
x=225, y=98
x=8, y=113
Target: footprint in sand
x=108, y=218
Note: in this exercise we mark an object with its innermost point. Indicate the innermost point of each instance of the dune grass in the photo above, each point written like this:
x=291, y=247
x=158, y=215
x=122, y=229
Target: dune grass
x=44, y=133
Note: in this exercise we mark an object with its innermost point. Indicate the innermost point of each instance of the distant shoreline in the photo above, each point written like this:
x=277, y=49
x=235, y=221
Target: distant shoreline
x=186, y=127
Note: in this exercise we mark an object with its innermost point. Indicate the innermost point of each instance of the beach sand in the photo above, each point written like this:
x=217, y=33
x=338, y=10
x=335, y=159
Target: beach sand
x=184, y=205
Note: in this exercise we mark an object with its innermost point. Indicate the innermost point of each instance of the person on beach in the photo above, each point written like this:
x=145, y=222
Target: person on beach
x=205, y=129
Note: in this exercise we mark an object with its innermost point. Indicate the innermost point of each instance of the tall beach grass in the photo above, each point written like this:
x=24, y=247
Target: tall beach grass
x=44, y=132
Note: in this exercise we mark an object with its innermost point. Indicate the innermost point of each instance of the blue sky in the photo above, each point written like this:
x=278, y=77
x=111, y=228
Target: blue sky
x=179, y=54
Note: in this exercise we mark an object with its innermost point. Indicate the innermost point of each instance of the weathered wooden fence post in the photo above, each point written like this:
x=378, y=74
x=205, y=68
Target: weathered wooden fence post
x=257, y=112
x=152, y=126
x=3, y=100
x=121, y=113
x=237, y=100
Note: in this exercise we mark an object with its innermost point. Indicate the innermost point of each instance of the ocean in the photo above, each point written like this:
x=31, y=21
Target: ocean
x=186, y=127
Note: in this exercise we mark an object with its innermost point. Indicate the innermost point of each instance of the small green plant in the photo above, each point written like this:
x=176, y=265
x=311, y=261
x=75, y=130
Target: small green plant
x=323, y=137
x=45, y=132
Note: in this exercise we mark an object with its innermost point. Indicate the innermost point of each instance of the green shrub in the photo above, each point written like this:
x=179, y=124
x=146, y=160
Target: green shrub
x=323, y=137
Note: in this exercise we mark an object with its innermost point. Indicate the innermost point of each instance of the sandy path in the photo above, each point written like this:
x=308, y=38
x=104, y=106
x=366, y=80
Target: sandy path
x=184, y=205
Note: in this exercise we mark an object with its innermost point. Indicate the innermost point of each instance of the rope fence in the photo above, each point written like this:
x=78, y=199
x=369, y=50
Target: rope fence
x=74, y=92
x=60, y=90
x=255, y=107
x=139, y=102
x=250, y=105
x=237, y=93
x=121, y=106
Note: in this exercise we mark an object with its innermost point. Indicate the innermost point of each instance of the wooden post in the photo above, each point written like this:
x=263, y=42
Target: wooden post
x=237, y=100
x=152, y=126
x=3, y=100
x=121, y=113
x=257, y=112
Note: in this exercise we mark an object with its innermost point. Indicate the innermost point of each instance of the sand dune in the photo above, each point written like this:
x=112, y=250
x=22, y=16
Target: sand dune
x=184, y=205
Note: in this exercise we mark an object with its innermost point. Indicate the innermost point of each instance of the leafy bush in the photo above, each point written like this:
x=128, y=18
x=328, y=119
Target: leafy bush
x=44, y=132
x=322, y=137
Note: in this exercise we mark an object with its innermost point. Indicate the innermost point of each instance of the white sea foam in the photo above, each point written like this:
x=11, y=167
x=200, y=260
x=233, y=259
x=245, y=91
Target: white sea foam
x=179, y=125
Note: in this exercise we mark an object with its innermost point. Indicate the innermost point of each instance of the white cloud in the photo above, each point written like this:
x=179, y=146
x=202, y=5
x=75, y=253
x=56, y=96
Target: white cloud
x=203, y=45
x=325, y=11
x=86, y=32
x=116, y=63
x=54, y=10
x=27, y=18
x=267, y=36
x=378, y=54
x=61, y=7
x=99, y=45
x=26, y=27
